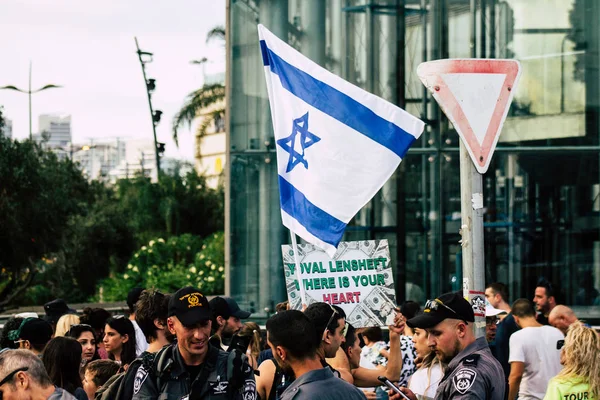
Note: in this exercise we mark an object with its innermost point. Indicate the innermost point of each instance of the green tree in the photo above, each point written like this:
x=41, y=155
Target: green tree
x=38, y=195
x=2, y=123
x=203, y=98
x=174, y=206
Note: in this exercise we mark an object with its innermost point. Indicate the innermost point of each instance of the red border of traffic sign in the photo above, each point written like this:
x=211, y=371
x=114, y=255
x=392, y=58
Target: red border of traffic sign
x=431, y=73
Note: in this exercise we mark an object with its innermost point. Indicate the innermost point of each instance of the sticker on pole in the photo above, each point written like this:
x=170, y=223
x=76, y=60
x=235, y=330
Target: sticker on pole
x=475, y=95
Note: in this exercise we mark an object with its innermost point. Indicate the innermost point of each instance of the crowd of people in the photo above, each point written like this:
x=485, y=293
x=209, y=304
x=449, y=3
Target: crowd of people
x=182, y=346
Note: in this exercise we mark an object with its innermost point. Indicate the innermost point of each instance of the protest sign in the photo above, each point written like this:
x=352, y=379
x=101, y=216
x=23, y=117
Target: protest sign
x=358, y=279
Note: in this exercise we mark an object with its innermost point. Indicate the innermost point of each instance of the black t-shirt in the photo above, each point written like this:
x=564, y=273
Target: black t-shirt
x=194, y=371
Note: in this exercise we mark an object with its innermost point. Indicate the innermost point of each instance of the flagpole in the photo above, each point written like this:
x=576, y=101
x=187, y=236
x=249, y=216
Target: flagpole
x=297, y=261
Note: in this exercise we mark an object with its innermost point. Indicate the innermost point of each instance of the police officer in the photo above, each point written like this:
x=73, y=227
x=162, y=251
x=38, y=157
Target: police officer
x=192, y=368
x=473, y=372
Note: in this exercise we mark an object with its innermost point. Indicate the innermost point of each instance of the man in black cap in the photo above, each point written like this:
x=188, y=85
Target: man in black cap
x=192, y=368
x=55, y=309
x=472, y=371
x=226, y=320
x=33, y=334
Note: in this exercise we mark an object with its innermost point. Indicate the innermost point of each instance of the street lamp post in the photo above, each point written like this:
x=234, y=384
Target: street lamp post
x=29, y=92
x=155, y=114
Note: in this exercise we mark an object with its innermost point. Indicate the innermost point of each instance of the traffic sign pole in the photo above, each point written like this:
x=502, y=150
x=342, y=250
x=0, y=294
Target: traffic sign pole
x=471, y=209
x=475, y=95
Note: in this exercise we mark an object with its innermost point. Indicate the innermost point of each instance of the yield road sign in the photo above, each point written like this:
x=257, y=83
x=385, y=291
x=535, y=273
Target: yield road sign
x=475, y=95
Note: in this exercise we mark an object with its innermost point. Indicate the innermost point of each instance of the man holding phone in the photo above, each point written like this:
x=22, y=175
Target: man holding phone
x=473, y=372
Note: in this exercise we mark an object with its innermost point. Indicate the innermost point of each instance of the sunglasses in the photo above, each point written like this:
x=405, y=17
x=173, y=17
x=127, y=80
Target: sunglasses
x=333, y=314
x=8, y=377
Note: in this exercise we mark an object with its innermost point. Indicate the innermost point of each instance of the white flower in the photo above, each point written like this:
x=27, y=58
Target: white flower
x=151, y=243
x=136, y=255
x=193, y=270
x=213, y=267
x=125, y=276
x=201, y=272
x=129, y=266
x=189, y=248
x=149, y=273
x=210, y=279
x=207, y=263
x=135, y=269
x=144, y=248
x=161, y=240
x=221, y=269
x=150, y=251
x=203, y=246
x=188, y=276
x=202, y=256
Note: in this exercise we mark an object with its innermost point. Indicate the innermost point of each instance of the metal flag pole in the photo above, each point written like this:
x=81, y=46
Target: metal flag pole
x=297, y=261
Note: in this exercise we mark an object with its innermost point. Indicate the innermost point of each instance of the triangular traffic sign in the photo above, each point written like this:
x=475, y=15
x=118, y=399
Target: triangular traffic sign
x=475, y=95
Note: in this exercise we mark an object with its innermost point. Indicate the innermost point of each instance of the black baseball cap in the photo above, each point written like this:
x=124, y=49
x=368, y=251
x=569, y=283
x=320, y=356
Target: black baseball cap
x=227, y=307
x=133, y=296
x=449, y=305
x=36, y=330
x=189, y=306
x=56, y=309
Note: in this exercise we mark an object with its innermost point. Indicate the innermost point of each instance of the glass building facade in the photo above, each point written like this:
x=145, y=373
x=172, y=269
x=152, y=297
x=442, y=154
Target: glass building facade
x=542, y=191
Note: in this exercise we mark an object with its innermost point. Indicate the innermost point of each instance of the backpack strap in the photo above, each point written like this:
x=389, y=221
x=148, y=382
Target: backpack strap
x=208, y=371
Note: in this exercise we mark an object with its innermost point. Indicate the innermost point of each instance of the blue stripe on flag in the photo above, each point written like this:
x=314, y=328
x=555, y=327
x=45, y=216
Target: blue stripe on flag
x=337, y=104
x=316, y=221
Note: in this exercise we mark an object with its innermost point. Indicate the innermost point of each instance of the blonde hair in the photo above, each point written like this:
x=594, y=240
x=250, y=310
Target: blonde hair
x=64, y=324
x=581, y=355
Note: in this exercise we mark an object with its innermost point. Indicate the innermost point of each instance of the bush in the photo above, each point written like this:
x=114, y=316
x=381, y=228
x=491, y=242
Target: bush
x=170, y=264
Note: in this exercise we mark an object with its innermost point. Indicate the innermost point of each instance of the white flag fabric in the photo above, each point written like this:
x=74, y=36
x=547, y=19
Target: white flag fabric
x=336, y=144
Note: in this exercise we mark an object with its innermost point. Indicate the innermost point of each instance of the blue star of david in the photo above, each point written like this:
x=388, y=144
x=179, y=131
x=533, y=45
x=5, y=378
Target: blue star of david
x=307, y=139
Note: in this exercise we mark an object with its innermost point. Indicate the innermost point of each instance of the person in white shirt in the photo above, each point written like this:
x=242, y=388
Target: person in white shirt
x=141, y=344
x=534, y=354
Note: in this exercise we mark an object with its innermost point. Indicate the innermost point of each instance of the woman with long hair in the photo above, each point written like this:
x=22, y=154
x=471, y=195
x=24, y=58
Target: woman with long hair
x=580, y=358
x=62, y=359
x=119, y=340
x=424, y=382
x=64, y=324
x=255, y=347
x=96, y=318
x=86, y=336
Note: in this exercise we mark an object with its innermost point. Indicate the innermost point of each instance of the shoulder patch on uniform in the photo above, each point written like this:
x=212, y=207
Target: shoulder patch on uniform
x=249, y=390
x=464, y=379
x=140, y=377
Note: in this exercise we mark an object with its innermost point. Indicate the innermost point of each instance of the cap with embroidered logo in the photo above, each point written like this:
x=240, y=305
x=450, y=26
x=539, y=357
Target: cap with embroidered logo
x=447, y=306
x=190, y=306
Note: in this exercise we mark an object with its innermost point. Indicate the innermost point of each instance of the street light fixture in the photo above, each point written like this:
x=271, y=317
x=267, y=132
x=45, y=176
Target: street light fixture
x=29, y=92
x=146, y=57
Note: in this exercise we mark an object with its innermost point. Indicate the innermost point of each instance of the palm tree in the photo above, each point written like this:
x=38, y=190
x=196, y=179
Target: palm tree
x=200, y=99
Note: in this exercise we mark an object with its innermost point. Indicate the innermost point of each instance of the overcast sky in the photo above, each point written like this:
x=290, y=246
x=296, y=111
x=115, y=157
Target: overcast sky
x=88, y=48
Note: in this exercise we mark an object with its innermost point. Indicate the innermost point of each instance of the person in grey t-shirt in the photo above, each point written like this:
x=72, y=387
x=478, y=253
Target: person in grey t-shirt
x=23, y=376
x=294, y=342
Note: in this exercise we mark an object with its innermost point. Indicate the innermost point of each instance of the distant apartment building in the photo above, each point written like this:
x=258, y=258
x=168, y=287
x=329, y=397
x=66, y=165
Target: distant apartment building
x=139, y=158
x=54, y=131
x=6, y=130
x=210, y=155
x=98, y=159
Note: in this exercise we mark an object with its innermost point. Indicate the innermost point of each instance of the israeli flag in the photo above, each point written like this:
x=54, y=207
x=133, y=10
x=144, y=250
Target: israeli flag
x=336, y=143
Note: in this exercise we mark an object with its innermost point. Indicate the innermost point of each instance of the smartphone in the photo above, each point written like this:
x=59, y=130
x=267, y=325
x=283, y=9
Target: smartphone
x=390, y=385
x=240, y=343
